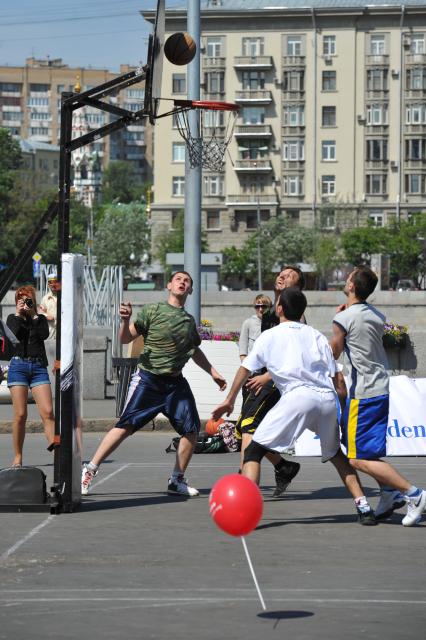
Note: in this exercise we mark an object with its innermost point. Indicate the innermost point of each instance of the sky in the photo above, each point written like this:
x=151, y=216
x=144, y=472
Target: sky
x=98, y=33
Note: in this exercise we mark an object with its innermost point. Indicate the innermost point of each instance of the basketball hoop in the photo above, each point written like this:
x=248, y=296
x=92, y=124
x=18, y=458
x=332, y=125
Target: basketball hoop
x=208, y=143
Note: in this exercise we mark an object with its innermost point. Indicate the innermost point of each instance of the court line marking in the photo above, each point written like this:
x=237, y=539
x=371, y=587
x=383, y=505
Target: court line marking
x=26, y=538
x=39, y=527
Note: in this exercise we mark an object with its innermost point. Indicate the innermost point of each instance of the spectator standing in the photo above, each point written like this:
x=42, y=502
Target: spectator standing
x=49, y=303
x=251, y=329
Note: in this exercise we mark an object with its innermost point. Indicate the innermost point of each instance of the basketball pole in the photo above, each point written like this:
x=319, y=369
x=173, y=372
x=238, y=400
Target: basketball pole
x=192, y=234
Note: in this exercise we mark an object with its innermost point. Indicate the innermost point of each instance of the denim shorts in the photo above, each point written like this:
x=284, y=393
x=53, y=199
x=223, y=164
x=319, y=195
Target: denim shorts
x=24, y=373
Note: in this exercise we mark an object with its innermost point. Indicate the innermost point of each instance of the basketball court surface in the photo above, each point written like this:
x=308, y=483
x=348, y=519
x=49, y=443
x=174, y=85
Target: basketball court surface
x=136, y=563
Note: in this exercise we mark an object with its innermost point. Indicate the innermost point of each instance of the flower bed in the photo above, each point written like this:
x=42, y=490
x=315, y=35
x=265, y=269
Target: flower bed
x=207, y=333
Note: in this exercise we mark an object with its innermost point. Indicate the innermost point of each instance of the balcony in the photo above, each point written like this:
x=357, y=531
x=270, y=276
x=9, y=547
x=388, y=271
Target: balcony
x=415, y=58
x=294, y=61
x=252, y=199
x=213, y=63
x=377, y=59
x=253, y=97
x=253, y=62
x=253, y=131
x=253, y=166
x=376, y=164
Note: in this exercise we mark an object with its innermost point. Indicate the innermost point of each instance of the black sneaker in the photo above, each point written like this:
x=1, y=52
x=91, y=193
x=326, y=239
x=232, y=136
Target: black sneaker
x=367, y=518
x=284, y=476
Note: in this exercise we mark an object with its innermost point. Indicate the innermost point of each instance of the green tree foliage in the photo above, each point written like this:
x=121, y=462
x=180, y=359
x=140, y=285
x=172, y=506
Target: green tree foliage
x=123, y=232
x=325, y=256
x=120, y=183
x=358, y=244
x=173, y=240
x=10, y=161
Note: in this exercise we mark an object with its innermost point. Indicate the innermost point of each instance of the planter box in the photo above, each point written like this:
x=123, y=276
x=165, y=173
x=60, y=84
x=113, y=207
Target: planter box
x=391, y=342
x=224, y=356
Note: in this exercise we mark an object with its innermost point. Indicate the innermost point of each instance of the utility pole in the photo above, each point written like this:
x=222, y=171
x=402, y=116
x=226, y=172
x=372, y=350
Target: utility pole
x=259, y=257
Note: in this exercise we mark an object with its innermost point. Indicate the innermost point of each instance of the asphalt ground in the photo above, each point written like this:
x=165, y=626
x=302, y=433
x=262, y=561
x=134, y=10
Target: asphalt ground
x=134, y=562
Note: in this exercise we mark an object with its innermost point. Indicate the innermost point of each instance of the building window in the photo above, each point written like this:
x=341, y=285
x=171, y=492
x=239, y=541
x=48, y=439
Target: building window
x=328, y=150
x=376, y=218
x=293, y=217
x=178, y=186
x=251, y=220
x=253, y=47
x=214, y=47
x=179, y=83
x=178, y=152
x=415, y=149
x=416, y=78
x=328, y=185
x=137, y=94
x=293, y=185
x=417, y=43
x=174, y=219
x=253, y=80
x=253, y=115
x=10, y=87
x=328, y=116
x=329, y=45
x=294, y=115
x=415, y=183
x=329, y=81
x=213, y=118
x=37, y=115
x=213, y=220
x=294, y=80
x=377, y=114
x=376, y=184
x=294, y=150
x=294, y=46
x=377, y=45
x=415, y=114
x=39, y=88
x=253, y=149
x=16, y=116
x=214, y=82
x=38, y=102
x=327, y=219
x=377, y=79
x=377, y=150
x=213, y=186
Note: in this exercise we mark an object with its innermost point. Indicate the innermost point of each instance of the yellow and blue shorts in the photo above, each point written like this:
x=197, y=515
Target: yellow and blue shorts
x=364, y=427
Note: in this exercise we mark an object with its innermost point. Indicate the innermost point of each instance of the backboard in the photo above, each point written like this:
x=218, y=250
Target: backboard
x=155, y=63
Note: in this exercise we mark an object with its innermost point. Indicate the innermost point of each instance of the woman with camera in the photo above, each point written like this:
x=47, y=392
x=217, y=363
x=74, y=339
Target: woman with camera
x=28, y=369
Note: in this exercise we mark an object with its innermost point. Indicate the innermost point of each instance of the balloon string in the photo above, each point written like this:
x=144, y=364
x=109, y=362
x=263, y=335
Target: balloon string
x=262, y=602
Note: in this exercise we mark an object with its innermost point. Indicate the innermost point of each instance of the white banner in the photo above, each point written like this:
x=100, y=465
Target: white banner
x=406, y=426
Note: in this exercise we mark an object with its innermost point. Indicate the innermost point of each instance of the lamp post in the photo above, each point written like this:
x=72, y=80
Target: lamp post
x=259, y=257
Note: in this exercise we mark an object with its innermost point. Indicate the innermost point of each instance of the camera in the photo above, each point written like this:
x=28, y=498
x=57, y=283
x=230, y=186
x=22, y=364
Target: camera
x=28, y=303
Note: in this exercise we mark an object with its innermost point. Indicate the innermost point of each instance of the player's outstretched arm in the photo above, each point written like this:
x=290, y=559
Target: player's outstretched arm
x=200, y=359
x=228, y=406
x=337, y=342
x=127, y=331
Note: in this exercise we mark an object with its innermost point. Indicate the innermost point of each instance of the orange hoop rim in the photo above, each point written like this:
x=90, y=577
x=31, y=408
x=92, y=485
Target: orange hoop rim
x=210, y=105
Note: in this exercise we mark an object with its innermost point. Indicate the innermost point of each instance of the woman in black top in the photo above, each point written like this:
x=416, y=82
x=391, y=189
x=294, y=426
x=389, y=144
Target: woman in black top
x=28, y=369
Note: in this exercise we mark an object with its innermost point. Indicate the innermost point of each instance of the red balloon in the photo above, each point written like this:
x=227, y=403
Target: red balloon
x=236, y=504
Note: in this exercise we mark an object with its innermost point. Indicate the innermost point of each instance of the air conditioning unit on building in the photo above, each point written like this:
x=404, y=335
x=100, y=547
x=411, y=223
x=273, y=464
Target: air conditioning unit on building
x=394, y=164
x=406, y=42
x=361, y=118
x=395, y=73
x=328, y=59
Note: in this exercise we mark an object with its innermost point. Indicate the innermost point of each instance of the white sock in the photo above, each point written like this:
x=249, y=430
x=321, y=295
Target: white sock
x=92, y=467
x=362, y=504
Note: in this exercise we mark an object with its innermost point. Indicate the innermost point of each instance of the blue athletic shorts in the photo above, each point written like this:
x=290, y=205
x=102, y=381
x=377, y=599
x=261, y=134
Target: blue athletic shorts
x=364, y=427
x=151, y=394
x=26, y=374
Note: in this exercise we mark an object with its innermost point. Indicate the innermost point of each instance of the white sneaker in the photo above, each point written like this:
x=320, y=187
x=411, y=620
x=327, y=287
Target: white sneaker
x=179, y=487
x=415, y=507
x=86, y=479
x=388, y=503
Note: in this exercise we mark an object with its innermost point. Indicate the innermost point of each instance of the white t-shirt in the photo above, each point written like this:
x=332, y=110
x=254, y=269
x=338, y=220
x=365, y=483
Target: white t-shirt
x=295, y=355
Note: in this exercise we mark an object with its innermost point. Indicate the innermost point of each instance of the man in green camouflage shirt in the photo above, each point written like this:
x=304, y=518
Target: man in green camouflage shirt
x=170, y=340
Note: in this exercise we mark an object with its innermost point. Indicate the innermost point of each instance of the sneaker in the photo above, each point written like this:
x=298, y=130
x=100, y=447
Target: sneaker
x=366, y=518
x=388, y=503
x=179, y=487
x=284, y=476
x=86, y=480
x=416, y=505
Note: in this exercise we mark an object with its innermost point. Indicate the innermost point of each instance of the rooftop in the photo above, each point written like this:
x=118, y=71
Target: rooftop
x=31, y=146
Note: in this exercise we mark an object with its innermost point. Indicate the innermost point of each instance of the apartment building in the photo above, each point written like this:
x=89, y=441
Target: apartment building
x=30, y=102
x=332, y=127
x=41, y=160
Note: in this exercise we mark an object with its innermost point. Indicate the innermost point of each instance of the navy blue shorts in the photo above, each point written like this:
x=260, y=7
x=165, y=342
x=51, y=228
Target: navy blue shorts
x=150, y=395
x=23, y=373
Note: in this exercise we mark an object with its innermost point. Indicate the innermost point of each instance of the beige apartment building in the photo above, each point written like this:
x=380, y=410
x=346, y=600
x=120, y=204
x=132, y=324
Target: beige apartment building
x=332, y=127
x=30, y=102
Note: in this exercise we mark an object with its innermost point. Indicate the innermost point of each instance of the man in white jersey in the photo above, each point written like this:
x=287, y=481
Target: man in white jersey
x=304, y=378
x=358, y=331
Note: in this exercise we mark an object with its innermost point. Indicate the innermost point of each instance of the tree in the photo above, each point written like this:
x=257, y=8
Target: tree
x=123, y=237
x=326, y=257
x=173, y=240
x=121, y=184
x=358, y=244
x=10, y=161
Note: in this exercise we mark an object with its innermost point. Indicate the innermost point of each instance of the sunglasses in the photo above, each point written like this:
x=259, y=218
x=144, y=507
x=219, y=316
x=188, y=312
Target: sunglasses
x=261, y=306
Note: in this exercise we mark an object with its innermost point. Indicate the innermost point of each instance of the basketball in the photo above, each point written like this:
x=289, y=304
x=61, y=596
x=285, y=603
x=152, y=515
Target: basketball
x=212, y=426
x=180, y=48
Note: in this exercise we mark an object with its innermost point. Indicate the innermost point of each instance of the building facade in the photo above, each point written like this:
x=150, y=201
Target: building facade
x=332, y=126
x=30, y=104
